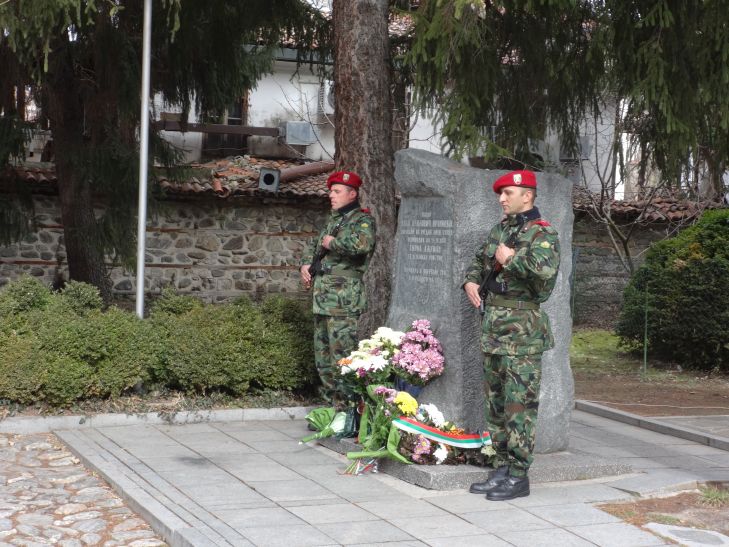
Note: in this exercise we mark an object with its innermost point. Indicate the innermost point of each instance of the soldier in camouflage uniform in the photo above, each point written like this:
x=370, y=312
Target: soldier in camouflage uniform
x=510, y=277
x=344, y=248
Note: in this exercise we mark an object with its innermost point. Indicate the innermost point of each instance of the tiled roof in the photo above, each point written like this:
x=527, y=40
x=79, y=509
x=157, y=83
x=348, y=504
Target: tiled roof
x=222, y=178
x=239, y=177
x=658, y=209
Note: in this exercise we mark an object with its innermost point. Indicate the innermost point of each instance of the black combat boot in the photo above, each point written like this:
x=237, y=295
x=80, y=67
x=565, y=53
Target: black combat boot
x=496, y=477
x=509, y=488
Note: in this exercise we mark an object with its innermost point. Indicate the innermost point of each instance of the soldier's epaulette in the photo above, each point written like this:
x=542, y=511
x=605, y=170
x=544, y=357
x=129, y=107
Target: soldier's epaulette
x=542, y=223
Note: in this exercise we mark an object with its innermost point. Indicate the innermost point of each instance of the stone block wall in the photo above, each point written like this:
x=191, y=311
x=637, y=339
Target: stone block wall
x=599, y=277
x=213, y=249
x=220, y=249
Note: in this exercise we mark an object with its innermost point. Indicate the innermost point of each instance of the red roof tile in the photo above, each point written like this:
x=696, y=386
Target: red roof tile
x=239, y=177
x=223, y=178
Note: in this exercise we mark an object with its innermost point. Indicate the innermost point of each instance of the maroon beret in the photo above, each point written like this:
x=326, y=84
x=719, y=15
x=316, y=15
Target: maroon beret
x=523, y=179
x=347, y=178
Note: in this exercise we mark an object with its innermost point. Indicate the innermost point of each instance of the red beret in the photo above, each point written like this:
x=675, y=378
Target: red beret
x=348, y=178
x=523, y=179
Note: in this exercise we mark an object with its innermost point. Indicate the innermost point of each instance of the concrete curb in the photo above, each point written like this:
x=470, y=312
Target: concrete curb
x=45, y=424
x=653, y=425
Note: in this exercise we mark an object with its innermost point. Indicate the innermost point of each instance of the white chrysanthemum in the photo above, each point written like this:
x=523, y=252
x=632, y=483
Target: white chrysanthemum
x=378, y=362
x=440, y=454
x=388, y=335
x=369, y=344
x=435, y=415
x=367, y=361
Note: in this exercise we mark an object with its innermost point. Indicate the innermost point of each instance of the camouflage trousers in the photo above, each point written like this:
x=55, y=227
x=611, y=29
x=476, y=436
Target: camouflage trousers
x=512, y=401
x=334, y=339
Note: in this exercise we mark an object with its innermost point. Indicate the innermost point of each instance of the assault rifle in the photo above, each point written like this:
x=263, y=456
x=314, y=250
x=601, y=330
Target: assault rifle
x=321, y=251
x=489, y=283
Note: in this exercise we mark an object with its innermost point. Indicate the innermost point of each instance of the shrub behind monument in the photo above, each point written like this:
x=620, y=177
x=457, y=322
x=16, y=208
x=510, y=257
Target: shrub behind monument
x=683, y=283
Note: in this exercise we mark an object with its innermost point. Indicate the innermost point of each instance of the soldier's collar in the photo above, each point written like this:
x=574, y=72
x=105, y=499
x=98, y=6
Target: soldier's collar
x=347, y=208
x=521, y=218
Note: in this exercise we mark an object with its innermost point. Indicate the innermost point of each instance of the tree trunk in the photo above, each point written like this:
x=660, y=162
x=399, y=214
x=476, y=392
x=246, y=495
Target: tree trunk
x=363, y=132
x=84, y=252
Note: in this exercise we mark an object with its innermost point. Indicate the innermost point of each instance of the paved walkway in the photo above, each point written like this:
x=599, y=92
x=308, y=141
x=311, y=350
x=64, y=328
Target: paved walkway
x=251, y=483
x=48, y=498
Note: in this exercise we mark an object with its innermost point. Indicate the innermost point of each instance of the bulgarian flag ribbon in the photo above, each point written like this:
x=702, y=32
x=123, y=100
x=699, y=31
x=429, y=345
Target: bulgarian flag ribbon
x=465, y=440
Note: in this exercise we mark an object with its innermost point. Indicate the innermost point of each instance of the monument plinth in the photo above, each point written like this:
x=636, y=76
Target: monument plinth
x=446, y=212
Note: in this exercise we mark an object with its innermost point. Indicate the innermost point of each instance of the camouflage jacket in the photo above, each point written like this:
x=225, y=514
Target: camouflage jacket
x=529, y=276
x=339, y=290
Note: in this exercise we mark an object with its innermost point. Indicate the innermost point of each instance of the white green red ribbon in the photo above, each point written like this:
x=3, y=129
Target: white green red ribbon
x=463, y=440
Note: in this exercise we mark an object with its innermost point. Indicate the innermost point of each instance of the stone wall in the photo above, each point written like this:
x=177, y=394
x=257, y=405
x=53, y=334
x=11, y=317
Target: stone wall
x=218, y=250
x=214, y=249
x=598, y=275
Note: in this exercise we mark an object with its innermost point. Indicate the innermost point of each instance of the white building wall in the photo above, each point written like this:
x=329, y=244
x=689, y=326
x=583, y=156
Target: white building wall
x=286, y=96
x=189, y=143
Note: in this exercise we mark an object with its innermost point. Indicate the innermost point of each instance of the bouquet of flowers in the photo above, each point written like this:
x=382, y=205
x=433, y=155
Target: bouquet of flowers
x=420, y=358
x=377, y=436
x=370, y=363
x=387, y=359
x=404, y=431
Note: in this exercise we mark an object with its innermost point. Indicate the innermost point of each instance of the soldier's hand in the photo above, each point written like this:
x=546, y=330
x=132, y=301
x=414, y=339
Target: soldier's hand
x=326, y=241
x=504, y=254
x=471, y=289
x=305, y=275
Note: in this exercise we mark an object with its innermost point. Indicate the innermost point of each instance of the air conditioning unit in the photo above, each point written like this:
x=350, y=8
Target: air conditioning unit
x=300, y=133
x=325, y=104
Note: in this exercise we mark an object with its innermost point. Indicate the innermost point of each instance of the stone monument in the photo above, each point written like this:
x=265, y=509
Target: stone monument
x=446, y=212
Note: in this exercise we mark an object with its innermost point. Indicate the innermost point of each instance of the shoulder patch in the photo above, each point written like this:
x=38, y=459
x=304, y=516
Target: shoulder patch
x=542, y=223
x=365, y=210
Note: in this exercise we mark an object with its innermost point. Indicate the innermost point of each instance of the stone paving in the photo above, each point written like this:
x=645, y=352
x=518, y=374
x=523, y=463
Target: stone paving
x=249, y=482
x=48, y=498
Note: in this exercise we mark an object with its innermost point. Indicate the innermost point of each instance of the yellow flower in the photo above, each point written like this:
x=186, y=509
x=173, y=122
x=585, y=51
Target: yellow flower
x=406, y=403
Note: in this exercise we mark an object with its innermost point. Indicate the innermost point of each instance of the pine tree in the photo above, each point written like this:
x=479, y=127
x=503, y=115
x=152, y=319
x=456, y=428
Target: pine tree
x=501, y=72
x=83, y=59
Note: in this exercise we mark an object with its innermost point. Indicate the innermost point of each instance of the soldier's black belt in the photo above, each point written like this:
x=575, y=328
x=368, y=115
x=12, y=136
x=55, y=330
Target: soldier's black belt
x=508, y=303
x=344, y=273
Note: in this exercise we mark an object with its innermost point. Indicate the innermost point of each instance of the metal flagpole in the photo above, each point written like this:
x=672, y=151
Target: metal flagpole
x=143, y=156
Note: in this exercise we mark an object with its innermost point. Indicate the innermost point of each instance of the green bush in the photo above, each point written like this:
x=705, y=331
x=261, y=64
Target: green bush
x=290, y=325
x=62, y=347
x=233, y=347
x=111, y=343
x=81, y=297
x=18, y=298
x=683, y=283
x=21, y=372
x=175, y=304
x=209, y=349
x=65, y=380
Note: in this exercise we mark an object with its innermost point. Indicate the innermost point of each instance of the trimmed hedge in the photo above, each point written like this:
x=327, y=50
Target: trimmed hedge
x=62, y=347
x=236, y=346
x=684, y=284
